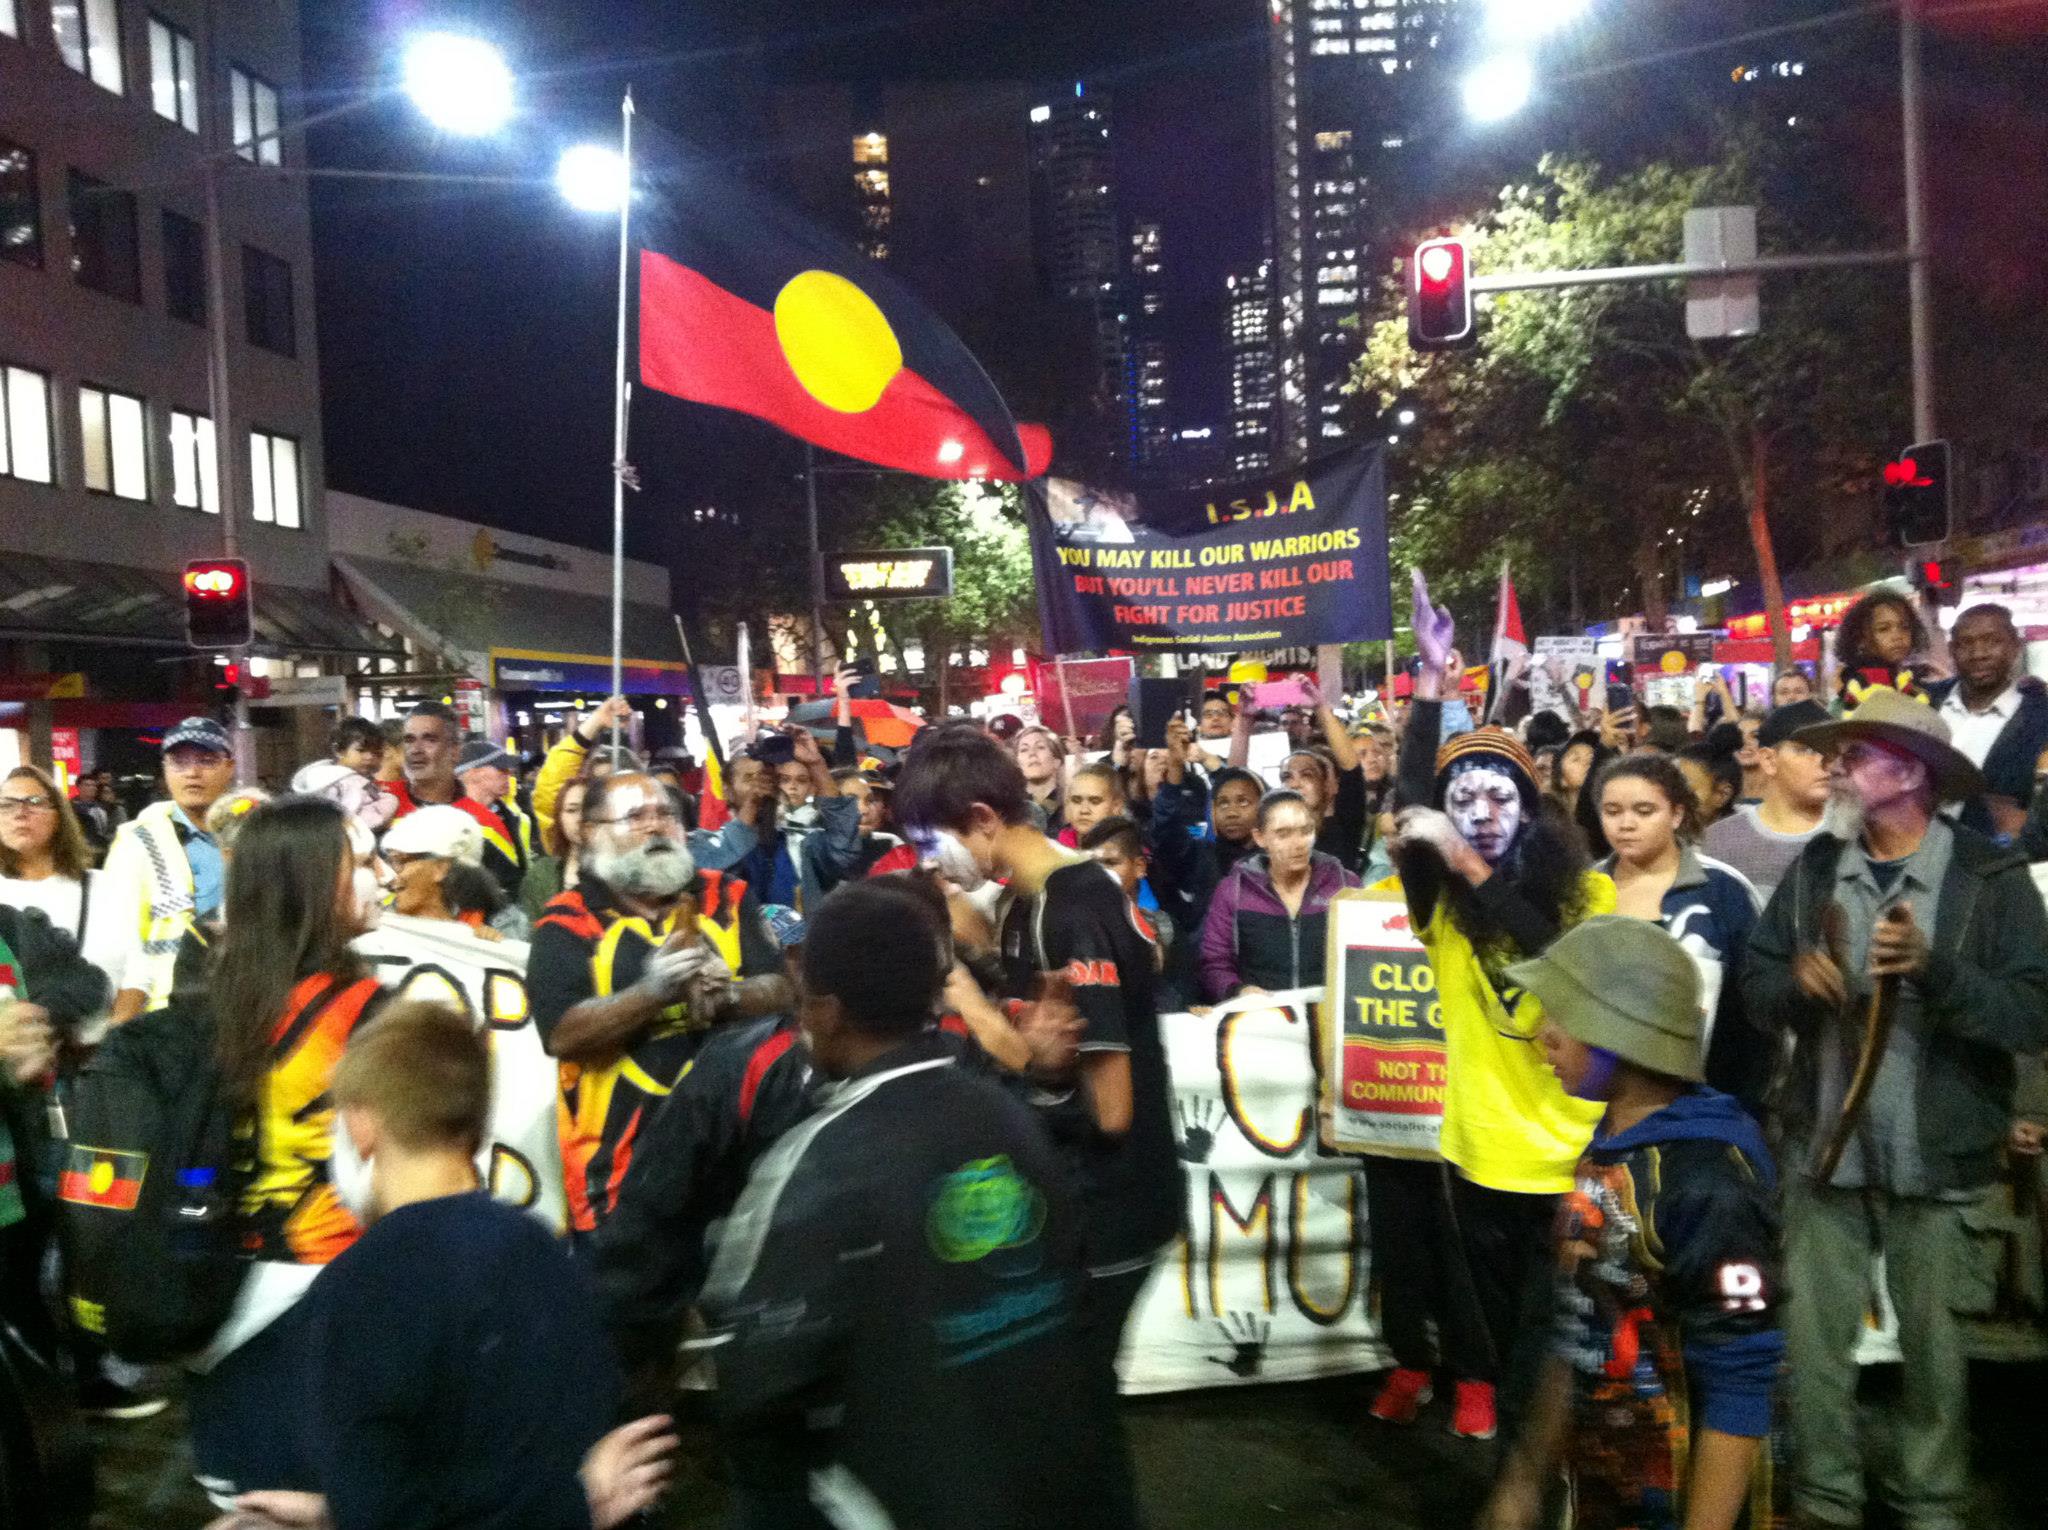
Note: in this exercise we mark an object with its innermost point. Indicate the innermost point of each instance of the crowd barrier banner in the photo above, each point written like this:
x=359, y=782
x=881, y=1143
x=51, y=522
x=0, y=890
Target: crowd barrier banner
x=1283, y=560
x=1268, y=1280
x=1383, y=1063
x=440, y=959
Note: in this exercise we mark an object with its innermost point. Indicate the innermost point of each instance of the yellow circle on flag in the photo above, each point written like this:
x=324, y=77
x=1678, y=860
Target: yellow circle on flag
x=837, y=341
x=102, y=1178
x=1673, y=663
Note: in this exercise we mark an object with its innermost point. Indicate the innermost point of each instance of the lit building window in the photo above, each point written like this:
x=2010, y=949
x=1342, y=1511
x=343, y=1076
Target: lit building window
x=115, y=443
x=24, y=425
x=89, y=39
x=274, y=479
x=195, y=483
x=253, y=119
x=173, y=74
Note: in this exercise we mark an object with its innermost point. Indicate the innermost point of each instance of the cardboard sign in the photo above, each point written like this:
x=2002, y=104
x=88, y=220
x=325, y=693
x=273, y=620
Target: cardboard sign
x=1583, y=674
x=1384, y=1064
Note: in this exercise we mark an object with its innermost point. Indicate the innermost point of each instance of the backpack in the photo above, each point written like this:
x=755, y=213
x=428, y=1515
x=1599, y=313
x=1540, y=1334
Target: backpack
x=149, y=1190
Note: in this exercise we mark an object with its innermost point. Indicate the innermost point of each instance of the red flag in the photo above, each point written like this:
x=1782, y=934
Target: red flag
x=1509, y=640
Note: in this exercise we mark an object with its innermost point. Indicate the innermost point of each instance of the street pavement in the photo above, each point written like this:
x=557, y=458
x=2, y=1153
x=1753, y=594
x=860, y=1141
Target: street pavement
x=1300, y=1457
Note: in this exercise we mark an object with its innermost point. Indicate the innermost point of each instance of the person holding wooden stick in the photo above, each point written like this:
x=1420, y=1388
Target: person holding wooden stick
x=1907, y=957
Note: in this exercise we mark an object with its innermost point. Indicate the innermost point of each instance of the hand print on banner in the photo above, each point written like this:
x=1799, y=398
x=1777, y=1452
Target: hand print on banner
x=1199, y=1119
x=1272, y=1252
x=1246, y=1333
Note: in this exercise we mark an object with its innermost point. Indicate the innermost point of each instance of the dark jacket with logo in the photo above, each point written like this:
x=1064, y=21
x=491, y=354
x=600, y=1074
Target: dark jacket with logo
x=1984, y=995
x=894, y=1298
x=2009, y=767
x=1250, y=940
x=1667, y=1305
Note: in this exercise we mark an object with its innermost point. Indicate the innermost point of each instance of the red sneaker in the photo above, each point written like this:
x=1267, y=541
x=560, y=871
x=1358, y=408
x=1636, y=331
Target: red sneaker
x=1402, y=1397
x=1472, y=1418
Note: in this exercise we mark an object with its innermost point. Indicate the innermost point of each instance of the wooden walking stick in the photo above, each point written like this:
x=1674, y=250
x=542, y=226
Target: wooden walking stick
x=1877, y=1032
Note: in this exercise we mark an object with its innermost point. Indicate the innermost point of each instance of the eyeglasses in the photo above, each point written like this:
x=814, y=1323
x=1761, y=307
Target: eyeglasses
x=27, y=805
x=645, y=818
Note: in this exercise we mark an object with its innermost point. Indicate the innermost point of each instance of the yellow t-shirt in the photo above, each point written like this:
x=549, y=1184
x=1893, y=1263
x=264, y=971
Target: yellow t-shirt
x=1508, y=1124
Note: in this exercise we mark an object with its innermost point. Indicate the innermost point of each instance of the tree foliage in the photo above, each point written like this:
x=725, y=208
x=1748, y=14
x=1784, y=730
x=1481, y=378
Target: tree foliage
x=756, y=569
x=1590, y=441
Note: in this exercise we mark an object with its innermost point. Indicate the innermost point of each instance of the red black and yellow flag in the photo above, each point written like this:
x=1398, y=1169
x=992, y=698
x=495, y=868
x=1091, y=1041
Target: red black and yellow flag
x=101, y=1177
x=746, y=306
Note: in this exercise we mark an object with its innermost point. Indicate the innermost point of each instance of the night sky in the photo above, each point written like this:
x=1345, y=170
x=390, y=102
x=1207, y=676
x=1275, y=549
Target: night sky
x=466, y=332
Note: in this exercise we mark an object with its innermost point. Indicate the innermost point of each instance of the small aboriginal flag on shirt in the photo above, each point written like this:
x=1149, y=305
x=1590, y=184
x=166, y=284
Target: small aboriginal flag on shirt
x=744, y=305
x=100, y=1177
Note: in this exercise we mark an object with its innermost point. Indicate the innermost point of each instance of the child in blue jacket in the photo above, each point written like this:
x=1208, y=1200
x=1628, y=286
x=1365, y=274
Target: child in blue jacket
x=1657, y=1398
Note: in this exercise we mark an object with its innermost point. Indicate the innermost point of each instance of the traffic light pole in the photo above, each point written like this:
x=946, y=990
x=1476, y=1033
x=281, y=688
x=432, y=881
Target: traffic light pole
x=1919, y=287
x=1678, y=271
x=226, y=462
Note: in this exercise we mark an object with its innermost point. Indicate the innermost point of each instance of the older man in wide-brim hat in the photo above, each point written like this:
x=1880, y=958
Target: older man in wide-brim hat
x=1907, y=958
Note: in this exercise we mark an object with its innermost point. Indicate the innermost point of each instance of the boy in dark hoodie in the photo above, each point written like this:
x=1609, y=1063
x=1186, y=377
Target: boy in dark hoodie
x=1657, y=1398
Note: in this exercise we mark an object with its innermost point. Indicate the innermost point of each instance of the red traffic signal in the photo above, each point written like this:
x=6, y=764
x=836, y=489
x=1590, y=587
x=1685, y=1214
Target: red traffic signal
x=217, y=611
x=1440, y=297
x=1919, y=495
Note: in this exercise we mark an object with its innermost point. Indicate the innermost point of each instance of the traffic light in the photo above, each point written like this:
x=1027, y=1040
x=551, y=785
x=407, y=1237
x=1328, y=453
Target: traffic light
x=217, y=603
x=1939, y=577
x=1440, y=297
x=1919, y=495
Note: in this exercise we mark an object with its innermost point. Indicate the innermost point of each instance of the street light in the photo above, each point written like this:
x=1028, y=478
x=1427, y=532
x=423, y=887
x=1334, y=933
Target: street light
x=1530, y=19
x=460, y=83
x=592, y=178
x=1498, y=88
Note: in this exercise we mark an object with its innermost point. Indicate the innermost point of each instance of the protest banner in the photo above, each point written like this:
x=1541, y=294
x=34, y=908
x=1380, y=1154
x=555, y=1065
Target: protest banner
x=1285, y=560
x=1383, y=1062
x=1268, y=1280
x=440, y=959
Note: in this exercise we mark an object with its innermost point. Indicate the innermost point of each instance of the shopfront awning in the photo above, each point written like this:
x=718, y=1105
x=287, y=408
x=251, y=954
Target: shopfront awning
x=64, y=600
x=529, y=638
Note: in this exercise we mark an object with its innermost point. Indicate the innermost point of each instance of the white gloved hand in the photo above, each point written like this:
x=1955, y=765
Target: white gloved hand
x=1427, y=826
x=671, y=970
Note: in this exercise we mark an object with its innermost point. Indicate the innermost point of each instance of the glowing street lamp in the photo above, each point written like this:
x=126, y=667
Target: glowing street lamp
x=1498, y=88
x=459, y=82
x=592, y=178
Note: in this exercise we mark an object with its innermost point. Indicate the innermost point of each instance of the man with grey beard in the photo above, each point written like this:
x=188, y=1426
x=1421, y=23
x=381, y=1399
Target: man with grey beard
x=1906, y=957
x=628, y=972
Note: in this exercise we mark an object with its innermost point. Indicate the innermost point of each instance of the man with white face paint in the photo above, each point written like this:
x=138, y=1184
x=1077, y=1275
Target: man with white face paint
x=628, y=972
x=1490, y=880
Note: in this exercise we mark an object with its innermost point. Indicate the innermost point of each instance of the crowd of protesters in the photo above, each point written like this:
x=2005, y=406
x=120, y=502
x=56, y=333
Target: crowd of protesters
x=863, y=1096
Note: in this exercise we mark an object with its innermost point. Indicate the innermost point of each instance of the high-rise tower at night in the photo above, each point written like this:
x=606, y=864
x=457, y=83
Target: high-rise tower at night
x=1350, y=84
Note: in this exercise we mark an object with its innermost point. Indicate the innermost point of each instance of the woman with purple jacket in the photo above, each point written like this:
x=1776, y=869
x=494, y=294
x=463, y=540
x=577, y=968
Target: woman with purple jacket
x=1268, y=921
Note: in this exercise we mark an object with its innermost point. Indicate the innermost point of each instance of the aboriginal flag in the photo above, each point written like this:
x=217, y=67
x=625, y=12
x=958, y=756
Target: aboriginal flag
x=101, y=1177
x=744, y=305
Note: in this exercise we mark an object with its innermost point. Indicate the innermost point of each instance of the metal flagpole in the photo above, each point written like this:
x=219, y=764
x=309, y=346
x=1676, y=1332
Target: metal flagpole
x=817, y=569
x=621, y=395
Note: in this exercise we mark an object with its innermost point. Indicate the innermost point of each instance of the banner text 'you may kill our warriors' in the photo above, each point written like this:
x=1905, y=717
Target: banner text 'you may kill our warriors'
x=1280, y=561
